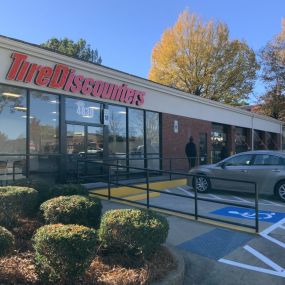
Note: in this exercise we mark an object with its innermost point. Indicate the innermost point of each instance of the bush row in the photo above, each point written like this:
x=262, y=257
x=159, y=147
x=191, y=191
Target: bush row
x=64, y=252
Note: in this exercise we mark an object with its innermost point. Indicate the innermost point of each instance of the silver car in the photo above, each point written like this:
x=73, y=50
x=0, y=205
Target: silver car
x=266, y=168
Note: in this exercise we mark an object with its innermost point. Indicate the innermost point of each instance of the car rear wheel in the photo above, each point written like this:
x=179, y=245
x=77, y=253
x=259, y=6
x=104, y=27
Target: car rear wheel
x=202, y=184
x=280, y=190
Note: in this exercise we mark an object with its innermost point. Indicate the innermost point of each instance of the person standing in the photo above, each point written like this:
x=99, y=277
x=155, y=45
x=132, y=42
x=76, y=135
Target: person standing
x=191, y=152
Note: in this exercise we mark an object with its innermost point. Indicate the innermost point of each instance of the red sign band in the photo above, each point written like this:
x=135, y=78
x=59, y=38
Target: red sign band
x=65, y=78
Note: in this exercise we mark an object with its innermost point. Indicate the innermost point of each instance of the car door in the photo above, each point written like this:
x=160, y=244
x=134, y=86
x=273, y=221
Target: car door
x=231, y=169
x=266, y=170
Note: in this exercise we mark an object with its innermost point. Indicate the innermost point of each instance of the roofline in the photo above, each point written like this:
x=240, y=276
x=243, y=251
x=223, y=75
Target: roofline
x=152, y=84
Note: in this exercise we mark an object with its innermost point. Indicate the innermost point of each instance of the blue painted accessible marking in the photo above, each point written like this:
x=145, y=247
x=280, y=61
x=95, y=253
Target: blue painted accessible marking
x=216, y=243
x=249, y=214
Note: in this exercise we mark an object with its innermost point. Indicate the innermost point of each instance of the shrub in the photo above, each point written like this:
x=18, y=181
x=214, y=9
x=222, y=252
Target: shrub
x=68, y=190
x=63, y=252
x=16, y=201
x=7, y=241
x=72, y=210
x=133, y=231
x=43, y=188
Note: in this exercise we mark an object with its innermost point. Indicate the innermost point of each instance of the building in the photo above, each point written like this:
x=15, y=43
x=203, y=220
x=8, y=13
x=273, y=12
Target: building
x=55, y=109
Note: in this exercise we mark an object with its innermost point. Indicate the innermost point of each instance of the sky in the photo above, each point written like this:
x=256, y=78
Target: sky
x=125, y=31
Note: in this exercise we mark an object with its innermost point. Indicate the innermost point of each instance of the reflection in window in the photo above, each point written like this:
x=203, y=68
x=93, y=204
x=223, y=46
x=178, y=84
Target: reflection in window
x=152, y=139
x=271, y=139
x=136, y=138
x=241, y=160
x=117, y=131
x=240, y=140
x=219, y=141
x=259, y=140
x=13, y=115
x=82, y=111
x=44, y=122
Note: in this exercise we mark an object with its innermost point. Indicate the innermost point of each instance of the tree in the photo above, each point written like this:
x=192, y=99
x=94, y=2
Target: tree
x=272, y=58
x=79, y=49
x=200, y=59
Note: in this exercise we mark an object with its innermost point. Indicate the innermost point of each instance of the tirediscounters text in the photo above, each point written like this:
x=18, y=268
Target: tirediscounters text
x=65, y=78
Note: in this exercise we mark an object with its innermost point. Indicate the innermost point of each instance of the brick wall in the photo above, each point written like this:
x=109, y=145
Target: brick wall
x=173, y=144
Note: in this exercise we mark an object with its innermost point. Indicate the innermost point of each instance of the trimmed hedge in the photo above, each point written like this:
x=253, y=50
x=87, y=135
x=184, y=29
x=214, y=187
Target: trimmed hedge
x=72, y=210
x=133, y=231
x=68, y=190
x=16, y=201
x=7, y=241
x=42, y=187
x=63, y=252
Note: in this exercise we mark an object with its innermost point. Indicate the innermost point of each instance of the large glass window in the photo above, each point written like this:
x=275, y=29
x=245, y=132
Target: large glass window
x=152, y=139
x=117, y=131
x=82, y=111
x=271, y=139
x=241, y=140
x=219, y=142
x=44, y=122
x=259, y=140
x=136, y=138
x=13, y=115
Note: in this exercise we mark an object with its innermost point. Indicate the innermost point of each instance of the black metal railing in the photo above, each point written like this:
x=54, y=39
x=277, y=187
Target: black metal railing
x=111, y=179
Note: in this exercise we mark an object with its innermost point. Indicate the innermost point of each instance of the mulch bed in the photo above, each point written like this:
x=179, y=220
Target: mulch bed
x=107, y=268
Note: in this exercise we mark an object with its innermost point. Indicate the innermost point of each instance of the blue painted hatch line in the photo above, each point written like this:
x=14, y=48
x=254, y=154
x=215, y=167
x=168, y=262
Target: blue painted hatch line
x=216, y=243
x=249, y=214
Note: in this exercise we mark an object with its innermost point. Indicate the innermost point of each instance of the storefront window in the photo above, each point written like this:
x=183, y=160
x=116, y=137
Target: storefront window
x=219, y=142
x=241, y=140
x=152, y=139
x=259, y=143
x=117, y=131
x=271, y=139
x=136, y=138
x=283, y=138
x=13, y=116
x=82, y=111
x=44, y=122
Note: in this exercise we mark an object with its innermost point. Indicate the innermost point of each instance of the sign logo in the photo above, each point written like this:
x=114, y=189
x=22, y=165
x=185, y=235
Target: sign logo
x=84, y=111
x=64, y=78
x=249, y=214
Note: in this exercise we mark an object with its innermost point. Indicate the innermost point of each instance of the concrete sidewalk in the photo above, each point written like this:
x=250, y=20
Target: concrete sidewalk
x=206, y=248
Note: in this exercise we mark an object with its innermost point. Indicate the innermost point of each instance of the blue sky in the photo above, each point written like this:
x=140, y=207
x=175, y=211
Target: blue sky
x=125, y=31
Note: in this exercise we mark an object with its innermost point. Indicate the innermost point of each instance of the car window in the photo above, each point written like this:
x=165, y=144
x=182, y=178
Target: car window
x=239, y=160
x=266, y=159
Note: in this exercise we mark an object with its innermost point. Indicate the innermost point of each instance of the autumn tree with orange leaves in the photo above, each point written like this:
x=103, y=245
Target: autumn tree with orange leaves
x=199, y=58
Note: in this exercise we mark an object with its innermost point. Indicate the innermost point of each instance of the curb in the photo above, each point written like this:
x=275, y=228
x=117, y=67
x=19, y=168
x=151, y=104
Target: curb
x=175, y=277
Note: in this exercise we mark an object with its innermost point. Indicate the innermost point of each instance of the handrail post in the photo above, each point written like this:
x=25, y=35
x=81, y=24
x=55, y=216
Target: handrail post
x=256, y=209
x=117, y=172
x=147, y=188
x=196, y=198
x=170, y=169
x=109, y=183
x=77, y=170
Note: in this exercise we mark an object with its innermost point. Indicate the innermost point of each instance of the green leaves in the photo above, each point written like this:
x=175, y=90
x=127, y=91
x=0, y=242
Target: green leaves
x=79, y=49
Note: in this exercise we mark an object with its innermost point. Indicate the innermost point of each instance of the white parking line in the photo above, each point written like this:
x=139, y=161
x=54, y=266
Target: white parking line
x=278, y=270
x=264, y=259
x=215, y=197
x=241, y=199
x=270, y=229
x=185, y=191
x=271, y=203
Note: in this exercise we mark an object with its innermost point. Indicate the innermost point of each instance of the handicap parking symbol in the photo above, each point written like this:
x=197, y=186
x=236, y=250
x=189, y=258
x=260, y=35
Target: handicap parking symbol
x=245, y=213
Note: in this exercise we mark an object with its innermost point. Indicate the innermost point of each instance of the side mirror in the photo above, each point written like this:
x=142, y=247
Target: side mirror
x=223, y=165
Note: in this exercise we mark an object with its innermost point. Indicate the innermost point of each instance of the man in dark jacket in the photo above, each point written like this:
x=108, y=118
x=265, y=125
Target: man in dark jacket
x=191, y=152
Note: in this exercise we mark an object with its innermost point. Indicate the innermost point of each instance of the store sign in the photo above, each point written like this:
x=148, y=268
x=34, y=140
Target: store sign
x=64, y=78
x=84, y=111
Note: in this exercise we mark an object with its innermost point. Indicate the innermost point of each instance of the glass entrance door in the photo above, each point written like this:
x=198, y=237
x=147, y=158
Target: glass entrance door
x=84, y=142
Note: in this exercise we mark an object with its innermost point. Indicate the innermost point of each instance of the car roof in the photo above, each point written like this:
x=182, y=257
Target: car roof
x=272, y=152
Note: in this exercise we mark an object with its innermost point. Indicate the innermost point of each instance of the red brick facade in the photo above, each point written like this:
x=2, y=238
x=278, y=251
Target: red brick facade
x=173, y=144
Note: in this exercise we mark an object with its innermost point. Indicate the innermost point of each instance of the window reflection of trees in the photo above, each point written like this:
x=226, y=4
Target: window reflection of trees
x=44, y=123
x=117, y=130
x=13, y=120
